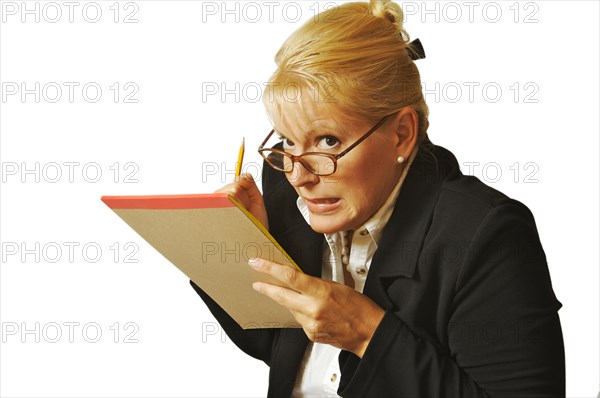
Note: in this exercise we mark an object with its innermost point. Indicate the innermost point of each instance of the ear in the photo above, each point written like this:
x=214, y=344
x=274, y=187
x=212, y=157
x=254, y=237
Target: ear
x=406, y=127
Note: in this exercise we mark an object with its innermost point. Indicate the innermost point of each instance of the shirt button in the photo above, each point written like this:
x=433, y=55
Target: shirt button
x=361, y=271
x=364, y=232
x=333, y=378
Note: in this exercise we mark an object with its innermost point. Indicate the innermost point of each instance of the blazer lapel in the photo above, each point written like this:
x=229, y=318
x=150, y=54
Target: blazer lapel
x=398, y=250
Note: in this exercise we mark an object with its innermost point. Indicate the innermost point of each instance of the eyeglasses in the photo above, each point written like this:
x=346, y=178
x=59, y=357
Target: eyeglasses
x=318, y=163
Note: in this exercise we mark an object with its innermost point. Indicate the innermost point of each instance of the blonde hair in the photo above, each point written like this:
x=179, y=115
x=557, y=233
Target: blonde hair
x=354, y=57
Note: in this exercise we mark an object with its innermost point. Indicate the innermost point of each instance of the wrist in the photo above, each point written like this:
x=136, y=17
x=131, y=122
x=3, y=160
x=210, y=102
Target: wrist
x=371, y=324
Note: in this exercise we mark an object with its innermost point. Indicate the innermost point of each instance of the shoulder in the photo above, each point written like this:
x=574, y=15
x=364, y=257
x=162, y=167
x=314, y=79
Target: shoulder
x=487, y=239
x=466, y=197
x=468, y=216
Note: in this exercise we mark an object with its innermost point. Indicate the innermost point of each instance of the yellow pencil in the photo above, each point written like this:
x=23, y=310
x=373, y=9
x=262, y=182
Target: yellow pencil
x=238, y=167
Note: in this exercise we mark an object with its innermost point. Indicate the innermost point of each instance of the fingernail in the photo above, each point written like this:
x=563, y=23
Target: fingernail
x=254, y=262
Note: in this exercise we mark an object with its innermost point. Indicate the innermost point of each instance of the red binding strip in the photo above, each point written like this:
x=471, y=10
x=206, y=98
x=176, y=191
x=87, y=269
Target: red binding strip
x=192, y=201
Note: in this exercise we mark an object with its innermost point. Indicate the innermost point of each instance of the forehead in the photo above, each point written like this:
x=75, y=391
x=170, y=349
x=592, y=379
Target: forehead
x=306, y=116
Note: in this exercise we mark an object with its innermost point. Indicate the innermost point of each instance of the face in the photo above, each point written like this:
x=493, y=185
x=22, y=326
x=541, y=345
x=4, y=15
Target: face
x=365, y=176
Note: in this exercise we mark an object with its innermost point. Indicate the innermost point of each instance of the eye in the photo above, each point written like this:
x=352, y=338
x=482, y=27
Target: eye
x=327, y=142
x=287, y=143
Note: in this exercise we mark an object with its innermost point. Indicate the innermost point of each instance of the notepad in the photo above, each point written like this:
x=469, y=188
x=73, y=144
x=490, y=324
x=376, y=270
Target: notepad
x=210, y=238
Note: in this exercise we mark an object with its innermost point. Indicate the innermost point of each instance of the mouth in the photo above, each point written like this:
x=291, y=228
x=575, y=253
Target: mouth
x=322, y=205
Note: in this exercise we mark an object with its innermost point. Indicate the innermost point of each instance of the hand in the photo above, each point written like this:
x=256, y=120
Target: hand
x=329, y=312
x=244, y=189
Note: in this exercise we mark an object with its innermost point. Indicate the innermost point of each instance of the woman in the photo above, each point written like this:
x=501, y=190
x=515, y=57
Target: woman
x=418, y=281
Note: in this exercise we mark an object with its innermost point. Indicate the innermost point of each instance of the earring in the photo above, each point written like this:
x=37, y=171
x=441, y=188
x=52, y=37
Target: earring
x=400, y=159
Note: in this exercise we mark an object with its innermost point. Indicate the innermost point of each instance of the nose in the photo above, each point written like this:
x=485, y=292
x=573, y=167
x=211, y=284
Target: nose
x=300, y=176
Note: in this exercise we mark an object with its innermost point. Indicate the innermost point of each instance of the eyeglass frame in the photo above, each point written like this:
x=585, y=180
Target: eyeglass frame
x=334, y=157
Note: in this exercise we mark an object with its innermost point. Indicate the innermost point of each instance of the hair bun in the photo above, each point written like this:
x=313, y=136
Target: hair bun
x=390, y=11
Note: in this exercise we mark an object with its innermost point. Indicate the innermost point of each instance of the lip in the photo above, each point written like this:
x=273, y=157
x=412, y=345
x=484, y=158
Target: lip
x=321, y=208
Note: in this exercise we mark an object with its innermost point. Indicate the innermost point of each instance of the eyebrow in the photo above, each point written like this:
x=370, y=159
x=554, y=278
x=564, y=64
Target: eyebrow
x=314, y=133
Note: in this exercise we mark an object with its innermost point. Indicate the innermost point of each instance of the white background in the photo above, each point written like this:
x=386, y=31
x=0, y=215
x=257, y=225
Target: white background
x=179, y=139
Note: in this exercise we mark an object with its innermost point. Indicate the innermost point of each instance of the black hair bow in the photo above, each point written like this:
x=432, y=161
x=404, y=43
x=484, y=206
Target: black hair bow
x=416, y=50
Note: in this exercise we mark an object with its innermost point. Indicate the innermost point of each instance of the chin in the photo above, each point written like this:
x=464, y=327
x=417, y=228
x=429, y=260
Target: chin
x=328, y=225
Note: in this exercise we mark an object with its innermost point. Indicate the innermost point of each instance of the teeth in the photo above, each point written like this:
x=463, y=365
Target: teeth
x=322, y=201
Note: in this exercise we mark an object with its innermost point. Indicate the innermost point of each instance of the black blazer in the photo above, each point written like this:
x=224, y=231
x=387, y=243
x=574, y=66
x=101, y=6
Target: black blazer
x=461, y=273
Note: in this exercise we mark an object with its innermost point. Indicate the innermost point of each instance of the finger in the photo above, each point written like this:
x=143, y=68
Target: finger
x=245, y=192
x=235, y=190
x=245, y=179
x=241, y=191
x=288, y=298
x=291, y=277
x=246, y=182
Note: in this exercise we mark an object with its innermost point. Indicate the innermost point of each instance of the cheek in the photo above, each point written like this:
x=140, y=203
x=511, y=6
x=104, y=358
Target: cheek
x=364, y=187
x=358, y=189
x=370, y=175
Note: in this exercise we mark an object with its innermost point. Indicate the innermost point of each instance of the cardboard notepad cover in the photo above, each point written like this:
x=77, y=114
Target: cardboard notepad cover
x=210, y=238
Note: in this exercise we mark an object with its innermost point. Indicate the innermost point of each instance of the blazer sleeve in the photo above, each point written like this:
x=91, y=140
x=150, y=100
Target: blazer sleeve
x=503, y=299
x=254, y=342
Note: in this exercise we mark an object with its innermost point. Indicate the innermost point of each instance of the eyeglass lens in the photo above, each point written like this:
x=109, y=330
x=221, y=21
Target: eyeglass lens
x=317, y=164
